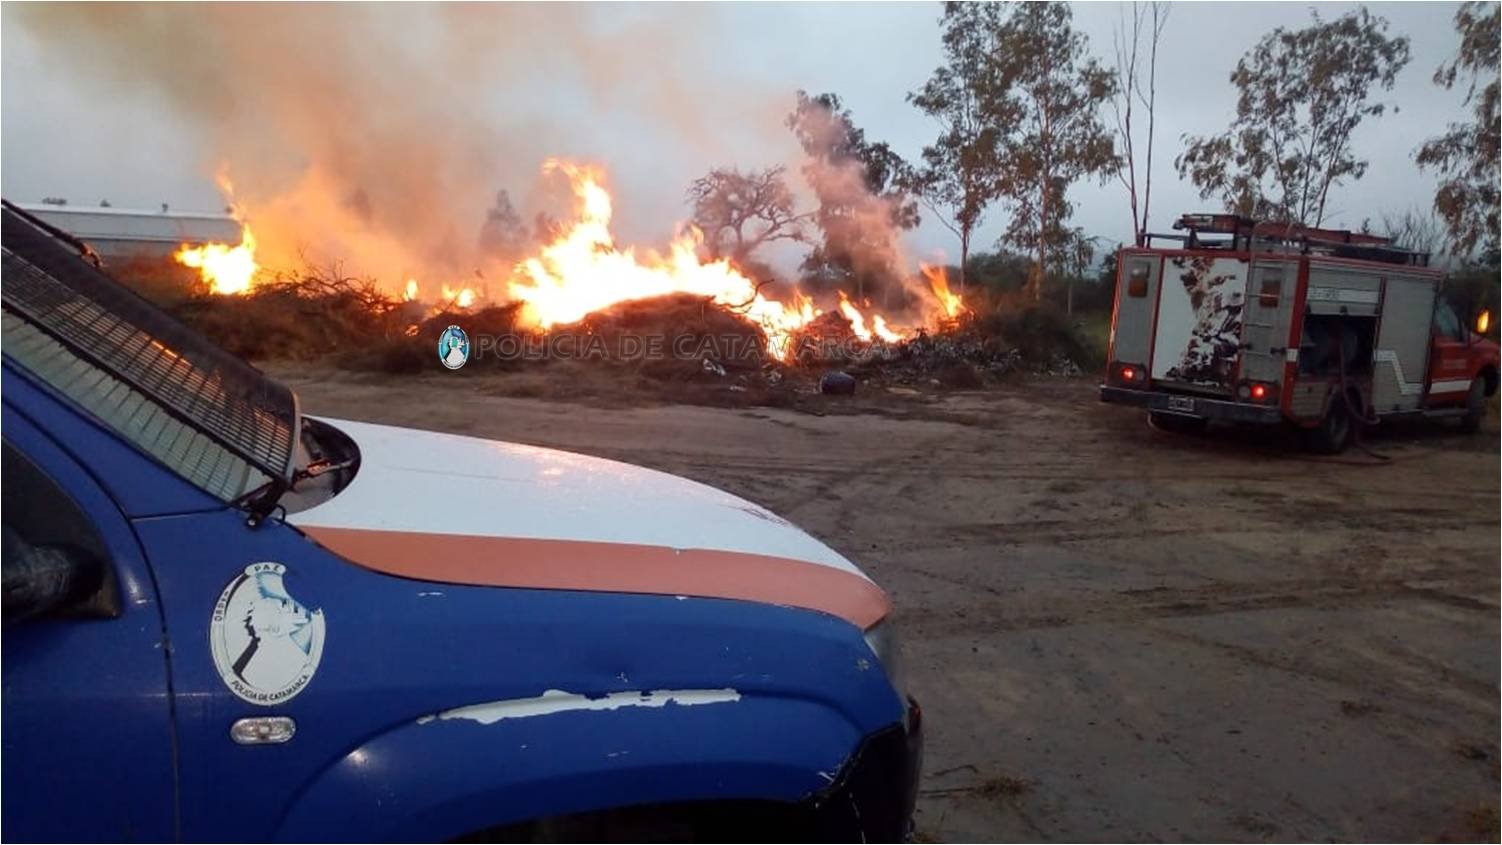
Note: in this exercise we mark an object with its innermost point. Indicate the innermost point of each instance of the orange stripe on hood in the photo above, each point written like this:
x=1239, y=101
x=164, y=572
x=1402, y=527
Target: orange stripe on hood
x=609, y=567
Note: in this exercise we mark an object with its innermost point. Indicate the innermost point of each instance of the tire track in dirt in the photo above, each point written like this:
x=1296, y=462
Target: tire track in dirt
x=840, y=479
x=1483, y=695
x=1137, y=606
x=1056, y=532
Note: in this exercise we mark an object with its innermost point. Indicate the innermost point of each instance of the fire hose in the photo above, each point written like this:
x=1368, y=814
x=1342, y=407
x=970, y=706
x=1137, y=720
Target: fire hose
x=1360, y=411
x=1361, y=416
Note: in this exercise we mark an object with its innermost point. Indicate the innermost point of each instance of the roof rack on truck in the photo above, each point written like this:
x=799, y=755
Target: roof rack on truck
x=1237, y=233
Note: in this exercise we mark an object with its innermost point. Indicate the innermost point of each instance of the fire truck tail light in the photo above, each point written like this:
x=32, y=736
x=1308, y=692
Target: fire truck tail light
x=1130, y=373
x=1137, y=280
x=1257, y=391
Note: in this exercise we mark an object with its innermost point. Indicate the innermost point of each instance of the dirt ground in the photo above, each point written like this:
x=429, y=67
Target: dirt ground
x=1115, y=633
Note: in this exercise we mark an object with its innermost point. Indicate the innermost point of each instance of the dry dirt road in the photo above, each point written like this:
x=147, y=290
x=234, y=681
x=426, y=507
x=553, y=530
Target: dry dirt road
x=1116, y=634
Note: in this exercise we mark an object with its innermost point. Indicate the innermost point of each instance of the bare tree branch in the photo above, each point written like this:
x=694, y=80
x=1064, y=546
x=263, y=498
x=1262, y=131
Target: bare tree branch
x=739, y=212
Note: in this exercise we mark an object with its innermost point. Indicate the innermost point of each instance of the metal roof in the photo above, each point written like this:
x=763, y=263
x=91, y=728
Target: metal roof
x=128, y=224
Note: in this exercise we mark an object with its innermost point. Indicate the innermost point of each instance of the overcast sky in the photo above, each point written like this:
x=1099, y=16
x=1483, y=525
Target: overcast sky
x=62, y=137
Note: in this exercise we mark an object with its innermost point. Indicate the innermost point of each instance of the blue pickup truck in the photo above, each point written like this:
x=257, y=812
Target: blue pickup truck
x=225, y=620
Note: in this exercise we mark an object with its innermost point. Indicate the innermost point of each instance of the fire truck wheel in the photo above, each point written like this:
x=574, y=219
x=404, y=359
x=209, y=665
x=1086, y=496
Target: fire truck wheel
x=1334, y=432
x=1176, y=423
x=1475, y=407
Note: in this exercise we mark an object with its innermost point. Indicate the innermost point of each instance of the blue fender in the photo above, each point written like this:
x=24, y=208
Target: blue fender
x=368, y=762
x=439, y=778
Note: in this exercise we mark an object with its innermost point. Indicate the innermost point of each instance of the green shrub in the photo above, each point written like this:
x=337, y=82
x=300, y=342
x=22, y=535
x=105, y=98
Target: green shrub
x=1041, y=333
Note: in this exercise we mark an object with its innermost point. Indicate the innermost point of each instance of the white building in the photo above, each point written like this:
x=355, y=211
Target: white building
x=123, y=233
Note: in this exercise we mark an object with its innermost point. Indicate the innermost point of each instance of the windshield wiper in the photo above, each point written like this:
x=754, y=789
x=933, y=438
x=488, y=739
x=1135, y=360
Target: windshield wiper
x=261, y=501
x=322, y=466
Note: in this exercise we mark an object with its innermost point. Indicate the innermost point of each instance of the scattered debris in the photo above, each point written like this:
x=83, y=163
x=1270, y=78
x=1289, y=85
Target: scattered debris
x=1062, y=365
x=1255, y=825
x=837, y=383
x=1004, y=786
x=1358, y=708
x=1472, y=750
x=997, y=788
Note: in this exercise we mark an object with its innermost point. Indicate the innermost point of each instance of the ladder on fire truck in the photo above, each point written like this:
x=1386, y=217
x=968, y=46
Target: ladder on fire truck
x=1247, y=233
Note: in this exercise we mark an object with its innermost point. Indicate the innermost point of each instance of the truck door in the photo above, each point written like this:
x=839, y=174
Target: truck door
x=1197, y=338
x=87, y=721
x=1450, y=358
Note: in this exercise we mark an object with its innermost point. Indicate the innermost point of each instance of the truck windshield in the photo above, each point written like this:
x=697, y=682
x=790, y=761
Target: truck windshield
x=210, y=417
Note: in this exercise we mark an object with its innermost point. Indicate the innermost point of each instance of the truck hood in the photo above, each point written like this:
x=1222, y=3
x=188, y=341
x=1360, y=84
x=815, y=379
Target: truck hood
x=462, y=510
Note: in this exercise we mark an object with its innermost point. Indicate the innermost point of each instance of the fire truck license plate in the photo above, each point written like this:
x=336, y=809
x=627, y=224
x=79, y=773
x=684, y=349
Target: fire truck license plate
x=1181, y=403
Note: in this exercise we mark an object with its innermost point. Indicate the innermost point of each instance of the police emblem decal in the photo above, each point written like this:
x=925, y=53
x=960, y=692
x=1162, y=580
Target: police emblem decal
x=453, y=347
x=266, y=644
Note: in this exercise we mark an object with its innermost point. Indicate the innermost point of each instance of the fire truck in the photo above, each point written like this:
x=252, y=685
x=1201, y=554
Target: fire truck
x=1272, y=323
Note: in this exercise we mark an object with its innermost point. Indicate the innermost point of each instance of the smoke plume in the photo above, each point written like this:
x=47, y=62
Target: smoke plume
x=379, y=135
x=862, y=251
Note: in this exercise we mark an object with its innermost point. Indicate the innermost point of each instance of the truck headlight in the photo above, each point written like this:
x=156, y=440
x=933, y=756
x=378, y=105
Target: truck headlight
x=882, y=639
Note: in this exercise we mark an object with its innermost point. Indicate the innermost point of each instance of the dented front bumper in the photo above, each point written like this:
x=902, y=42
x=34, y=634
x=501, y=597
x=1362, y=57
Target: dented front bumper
x=872, y=798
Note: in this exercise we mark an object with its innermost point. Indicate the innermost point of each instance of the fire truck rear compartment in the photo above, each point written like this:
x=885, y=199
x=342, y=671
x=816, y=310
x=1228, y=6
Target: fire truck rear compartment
x=1334, y=350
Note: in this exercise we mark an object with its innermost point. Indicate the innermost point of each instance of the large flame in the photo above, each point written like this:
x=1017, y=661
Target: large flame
x=857, y=320
x=583, y=271
x=227, y=269
x=938, y=281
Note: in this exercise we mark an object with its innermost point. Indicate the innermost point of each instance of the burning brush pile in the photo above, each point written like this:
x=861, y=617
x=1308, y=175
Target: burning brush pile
x=675, y=316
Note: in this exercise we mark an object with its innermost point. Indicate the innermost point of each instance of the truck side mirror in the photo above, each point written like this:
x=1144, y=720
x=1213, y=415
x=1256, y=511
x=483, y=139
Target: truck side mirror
x=39, y=580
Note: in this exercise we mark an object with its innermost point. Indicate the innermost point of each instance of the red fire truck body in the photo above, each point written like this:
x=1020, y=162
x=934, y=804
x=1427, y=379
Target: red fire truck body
x=1270, y=323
